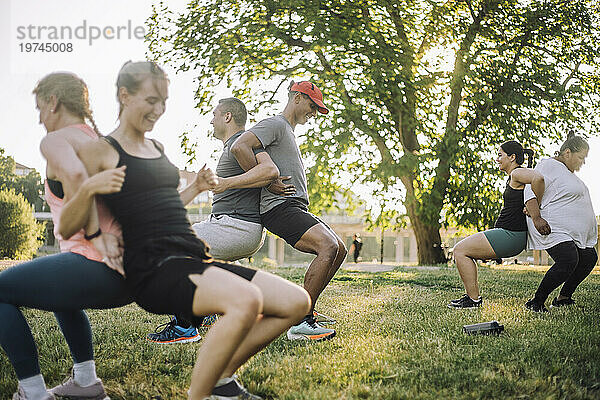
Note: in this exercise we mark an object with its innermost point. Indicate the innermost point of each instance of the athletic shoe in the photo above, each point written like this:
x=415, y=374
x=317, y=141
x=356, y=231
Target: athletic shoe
x=232, y=390
x=534, y=306
x=70, y=389
x=308, y=329
x=461, y=299
x=20, y=395
x=466, y=302
x=209, y=321
x=173, y=333
x=323, y=319
x=561, y=303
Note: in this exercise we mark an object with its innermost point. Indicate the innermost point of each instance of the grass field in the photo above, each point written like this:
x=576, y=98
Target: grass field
x=396, y=340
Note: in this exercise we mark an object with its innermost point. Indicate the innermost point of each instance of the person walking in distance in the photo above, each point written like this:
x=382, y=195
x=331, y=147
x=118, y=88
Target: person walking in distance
x=356, y=246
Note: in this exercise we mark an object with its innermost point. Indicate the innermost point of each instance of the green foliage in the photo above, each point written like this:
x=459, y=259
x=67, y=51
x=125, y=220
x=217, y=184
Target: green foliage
x=421, y=92
x=20, y=234
x=396, y=340
x=30, y=186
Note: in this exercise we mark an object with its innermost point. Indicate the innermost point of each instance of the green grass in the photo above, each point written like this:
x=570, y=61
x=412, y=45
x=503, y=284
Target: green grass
x=396, y=340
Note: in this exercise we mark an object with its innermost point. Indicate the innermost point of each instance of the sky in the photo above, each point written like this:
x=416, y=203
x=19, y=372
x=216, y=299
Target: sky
x=97, y=55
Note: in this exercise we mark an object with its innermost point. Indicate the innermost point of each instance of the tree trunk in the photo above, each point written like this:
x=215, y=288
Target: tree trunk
x=429, y=244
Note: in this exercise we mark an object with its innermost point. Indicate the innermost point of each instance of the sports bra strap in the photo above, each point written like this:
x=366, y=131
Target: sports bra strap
x=113, y=142
x=159, y=148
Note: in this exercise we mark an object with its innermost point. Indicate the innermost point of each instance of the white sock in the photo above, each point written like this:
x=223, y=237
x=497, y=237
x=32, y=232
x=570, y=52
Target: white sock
x=34, y=387
x=84, y=373
x=224, y=381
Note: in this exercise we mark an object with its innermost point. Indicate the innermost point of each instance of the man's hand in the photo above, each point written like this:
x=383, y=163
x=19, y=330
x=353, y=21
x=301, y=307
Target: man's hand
x=111, y=249
x=282, y=189
x=206, y=179
x=542, y=226
x=221, y=185
x=106, y=182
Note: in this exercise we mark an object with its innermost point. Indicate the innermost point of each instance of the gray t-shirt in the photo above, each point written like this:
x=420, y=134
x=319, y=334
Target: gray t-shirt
x=277, y=137
x=237, y=203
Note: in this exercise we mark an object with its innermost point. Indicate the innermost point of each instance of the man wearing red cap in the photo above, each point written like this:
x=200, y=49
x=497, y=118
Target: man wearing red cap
x=288, y=217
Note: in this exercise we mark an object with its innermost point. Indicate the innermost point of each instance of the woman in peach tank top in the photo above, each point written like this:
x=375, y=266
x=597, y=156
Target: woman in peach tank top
x=85, y=274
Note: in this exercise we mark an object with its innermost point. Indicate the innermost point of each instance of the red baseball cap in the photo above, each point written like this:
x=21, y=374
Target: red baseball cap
x=312, y=91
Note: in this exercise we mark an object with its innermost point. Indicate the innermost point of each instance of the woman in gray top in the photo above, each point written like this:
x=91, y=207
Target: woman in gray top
x=567, y=208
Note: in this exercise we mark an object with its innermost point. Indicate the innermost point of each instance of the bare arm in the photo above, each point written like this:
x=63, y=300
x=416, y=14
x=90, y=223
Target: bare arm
x=64, y=164
x=260, y=175
x=525, y=176
x=533, y=210
x=242, y=150
x=82, y=204
x=205, y=180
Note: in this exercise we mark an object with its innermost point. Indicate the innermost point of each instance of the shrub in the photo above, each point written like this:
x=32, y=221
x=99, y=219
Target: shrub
x=20, y=234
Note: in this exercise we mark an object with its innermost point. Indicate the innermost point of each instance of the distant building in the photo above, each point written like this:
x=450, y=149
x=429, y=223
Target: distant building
x=187, y=177
x=22, y=170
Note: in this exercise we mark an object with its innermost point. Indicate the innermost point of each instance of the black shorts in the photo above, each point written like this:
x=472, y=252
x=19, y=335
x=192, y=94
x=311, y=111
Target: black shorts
x=161, y=285
x=289, y=220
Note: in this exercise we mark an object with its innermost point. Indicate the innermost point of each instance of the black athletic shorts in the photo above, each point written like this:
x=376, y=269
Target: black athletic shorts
x=159, y=280
x=289, y=220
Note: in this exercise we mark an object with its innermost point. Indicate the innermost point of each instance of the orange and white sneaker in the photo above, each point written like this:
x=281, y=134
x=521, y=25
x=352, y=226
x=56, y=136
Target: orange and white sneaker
x=323, y=319
x=310, y=330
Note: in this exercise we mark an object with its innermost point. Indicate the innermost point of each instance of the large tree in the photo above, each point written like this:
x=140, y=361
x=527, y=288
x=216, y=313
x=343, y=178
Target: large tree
x=421, y=91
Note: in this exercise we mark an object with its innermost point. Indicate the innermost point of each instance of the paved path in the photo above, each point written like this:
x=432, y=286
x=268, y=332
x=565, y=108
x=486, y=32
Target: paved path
x=370, y=267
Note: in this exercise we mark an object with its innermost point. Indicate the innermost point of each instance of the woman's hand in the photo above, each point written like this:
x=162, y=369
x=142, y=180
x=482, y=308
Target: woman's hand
x=542, y=225
x=206, y=179
x=106, y=182
x=111, y=249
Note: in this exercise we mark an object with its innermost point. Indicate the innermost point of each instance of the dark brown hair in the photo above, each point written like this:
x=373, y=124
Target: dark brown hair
x=513, y=147
x=132, y=74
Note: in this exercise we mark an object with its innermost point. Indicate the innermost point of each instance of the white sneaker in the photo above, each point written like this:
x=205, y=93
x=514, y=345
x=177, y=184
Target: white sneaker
x=309, y=329
x=20, y=395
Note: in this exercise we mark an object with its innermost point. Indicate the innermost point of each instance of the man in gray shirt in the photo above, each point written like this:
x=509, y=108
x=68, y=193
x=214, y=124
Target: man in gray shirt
x=288, y=217
x=233, y=231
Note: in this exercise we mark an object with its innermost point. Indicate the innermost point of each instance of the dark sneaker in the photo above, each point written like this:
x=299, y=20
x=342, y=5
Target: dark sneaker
x=561, y=303
x=173, y=333
x=310, y=330
x=70, y=389
x=465, y=302
x=323, y=319
x=20, y=395
x=233, y=390
x=534, y=306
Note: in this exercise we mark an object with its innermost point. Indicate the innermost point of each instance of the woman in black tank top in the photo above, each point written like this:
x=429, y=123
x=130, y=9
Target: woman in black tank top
x=167, y=268
x=509, y=236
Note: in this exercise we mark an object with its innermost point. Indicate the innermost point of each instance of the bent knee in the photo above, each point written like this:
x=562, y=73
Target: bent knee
x=342, y=250
x=248, y=303
x=328, y=247
x=300, y=302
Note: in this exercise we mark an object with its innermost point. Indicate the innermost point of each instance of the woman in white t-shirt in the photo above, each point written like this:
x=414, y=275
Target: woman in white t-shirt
x=567, y=207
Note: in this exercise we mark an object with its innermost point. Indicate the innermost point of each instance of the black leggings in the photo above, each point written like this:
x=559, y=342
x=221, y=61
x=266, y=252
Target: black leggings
x=64, y=283
x=571, y=266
